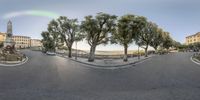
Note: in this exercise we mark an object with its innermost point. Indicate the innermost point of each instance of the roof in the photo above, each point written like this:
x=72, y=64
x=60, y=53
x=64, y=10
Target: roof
x=36, y=39
x=2, y=33
x=193, y=34
x=20, y=36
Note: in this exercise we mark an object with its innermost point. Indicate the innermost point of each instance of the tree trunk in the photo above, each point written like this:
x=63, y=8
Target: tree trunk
x=70, y=52
x=146, y=52
x=156, y=49
x=125, y=54
x=92, y=53
x=54, y=49
x=167, y=50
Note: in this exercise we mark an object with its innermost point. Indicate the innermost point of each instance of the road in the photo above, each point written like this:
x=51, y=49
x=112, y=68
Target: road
x=43, y=77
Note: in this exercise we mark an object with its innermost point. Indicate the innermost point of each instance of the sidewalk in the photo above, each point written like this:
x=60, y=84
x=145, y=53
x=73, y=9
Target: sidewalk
x=109, y=62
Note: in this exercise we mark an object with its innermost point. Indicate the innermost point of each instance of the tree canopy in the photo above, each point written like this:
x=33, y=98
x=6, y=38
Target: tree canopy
x=144, y=37
x=127, y=28
x=96, y=30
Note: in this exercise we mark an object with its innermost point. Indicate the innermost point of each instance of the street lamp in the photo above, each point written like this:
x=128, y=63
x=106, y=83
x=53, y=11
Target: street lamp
x=76, y=51
x=138, y=52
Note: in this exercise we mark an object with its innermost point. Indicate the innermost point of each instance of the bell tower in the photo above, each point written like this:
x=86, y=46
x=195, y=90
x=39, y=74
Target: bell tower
x=9, y=28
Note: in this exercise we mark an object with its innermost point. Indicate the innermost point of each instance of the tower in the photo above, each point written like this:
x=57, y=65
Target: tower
x=9, y=28
x=9, y=43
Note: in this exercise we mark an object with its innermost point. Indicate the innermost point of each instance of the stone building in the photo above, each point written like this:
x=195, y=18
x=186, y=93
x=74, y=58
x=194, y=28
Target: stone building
x=193, y=38
x=2, y=37
x=20, y=41
x=36, y=43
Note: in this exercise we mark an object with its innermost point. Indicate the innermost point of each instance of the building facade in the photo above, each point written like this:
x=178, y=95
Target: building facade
x=22, y=41
x=193, y=38
x=2, y=37
x=36, y=43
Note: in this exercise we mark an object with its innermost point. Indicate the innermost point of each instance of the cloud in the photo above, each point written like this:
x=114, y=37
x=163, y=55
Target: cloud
x=31, y=13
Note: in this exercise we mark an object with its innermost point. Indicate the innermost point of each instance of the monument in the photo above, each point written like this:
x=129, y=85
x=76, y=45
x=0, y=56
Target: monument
x=8, y=54
x=9, y=44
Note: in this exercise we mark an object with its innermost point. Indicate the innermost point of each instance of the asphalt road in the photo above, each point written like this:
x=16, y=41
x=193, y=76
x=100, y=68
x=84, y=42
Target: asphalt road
x=43, y=77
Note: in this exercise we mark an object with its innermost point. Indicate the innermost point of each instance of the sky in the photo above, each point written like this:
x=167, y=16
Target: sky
x=30, y=17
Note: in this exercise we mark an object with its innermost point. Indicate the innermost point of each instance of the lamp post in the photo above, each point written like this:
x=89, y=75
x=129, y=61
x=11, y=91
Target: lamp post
x=76, y=51
x=138, y=52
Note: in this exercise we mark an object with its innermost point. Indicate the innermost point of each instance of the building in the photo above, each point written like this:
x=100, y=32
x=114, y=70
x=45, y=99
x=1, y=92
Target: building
x=22, y=41
x=2, y=37
x=193, y=38
x=36, y=43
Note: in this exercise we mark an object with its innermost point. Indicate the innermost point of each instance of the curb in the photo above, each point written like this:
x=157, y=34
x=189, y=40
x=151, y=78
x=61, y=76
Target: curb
x=109, y=66
x=13, y=65
x=195, y=60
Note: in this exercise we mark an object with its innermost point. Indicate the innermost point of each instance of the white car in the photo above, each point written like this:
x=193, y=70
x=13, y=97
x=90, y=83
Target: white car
x=50, y=53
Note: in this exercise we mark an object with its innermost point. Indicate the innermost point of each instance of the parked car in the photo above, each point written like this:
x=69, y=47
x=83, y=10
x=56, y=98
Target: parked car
x=50, y=53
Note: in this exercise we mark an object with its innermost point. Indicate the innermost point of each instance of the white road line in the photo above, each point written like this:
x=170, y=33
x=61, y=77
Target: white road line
x=109, y=67
x=114, y=68
x=7, y=65
x=194, y=61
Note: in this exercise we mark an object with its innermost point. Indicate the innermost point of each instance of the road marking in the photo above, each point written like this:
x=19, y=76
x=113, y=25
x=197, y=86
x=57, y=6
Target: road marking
x=109, y=67
x=13, y=65
x=142, y=61
x=194, y=61
x=122, y=67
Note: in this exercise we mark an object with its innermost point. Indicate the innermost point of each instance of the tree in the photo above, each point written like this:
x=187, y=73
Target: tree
x=176, y=44
x=157, y=38
x=125, y=33
x=191, y=46
x=168, y=42
x=96, y=30
x=196, y=46
x=69, y=31
x=1, y=44
x=51, y=38
x=54, y=33
x=48, y=42
x=144, y=37
x=183, y=47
